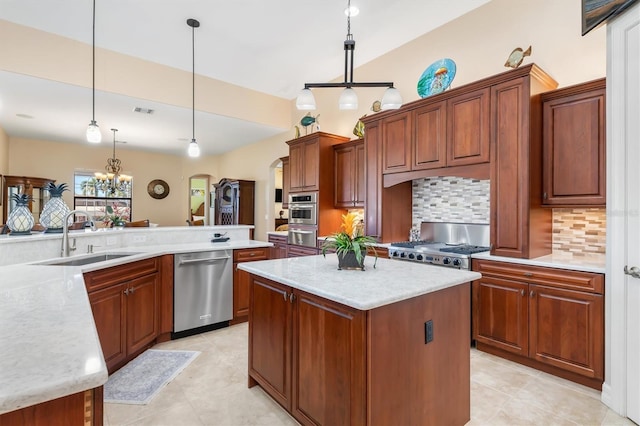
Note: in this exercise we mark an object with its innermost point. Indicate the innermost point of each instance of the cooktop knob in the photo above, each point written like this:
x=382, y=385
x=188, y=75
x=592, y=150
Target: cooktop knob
x=411, y=256
x=446, y=260
x=395, y=254
x=457, y=262
x=419, y=257
x=402, y=254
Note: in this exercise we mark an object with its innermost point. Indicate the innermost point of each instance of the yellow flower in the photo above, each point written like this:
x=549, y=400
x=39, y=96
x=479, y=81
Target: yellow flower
x=349, y=223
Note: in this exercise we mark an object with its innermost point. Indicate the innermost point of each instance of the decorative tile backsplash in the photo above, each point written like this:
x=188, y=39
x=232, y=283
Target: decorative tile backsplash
x=453, y=199
x=450, y=199
x=579, y=231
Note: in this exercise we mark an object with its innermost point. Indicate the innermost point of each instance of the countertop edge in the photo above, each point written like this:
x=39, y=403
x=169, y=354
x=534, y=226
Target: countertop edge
x=594, y=264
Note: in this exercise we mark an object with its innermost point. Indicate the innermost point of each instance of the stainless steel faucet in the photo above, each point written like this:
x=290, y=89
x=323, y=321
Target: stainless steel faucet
x=66, y=249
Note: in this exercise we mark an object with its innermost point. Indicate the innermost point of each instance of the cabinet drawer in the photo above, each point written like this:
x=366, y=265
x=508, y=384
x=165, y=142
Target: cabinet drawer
x=275, y=239
x=106, y=277
x=562, y=278
x=248, y=255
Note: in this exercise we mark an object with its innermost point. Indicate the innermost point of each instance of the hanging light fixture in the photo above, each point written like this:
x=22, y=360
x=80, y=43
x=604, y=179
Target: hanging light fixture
x=93, y=131
x=348, y=98
x=113, y=181
x=194, y=149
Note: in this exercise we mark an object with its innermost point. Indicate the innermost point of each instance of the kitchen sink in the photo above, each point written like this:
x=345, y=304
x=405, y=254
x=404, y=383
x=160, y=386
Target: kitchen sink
x=88, y=260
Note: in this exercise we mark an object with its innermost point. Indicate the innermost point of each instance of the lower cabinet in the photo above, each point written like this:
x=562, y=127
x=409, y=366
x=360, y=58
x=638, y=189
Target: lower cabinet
x=295, y=251
x=241, y=281
x=547, y=318
x=329, y=364
x=125, y=301
x=279, y=249
x=309, y=353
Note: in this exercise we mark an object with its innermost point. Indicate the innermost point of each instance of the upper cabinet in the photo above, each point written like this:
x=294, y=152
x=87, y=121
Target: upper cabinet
x=286, y=182
x=349, y=174
x=32, y=186
x=468, y=119
x=308, y=156
x=574, y=133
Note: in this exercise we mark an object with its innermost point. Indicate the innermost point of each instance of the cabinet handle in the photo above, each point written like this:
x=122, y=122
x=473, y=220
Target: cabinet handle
x=252, y=254
x=126, y=291
x=291, y=297
x=544, y=195
x=522, y=292
x=532, y=293
x=132, y=289
x=285, y=296
x=528, y=274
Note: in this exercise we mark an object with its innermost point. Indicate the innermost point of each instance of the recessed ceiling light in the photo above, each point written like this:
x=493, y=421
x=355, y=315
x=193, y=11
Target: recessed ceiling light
x=143, y=110
x=27, y=116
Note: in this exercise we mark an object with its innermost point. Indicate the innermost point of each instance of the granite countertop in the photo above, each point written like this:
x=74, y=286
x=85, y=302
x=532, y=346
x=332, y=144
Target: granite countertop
x=391, y=281
x=591, y=263
x=50, y=346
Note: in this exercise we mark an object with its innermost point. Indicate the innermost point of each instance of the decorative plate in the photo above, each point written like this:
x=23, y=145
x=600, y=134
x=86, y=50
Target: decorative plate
x=158, y=189
x=437, y=77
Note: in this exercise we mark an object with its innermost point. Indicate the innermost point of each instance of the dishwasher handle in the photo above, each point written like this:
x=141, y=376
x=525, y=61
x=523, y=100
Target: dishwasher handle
x=209, y=259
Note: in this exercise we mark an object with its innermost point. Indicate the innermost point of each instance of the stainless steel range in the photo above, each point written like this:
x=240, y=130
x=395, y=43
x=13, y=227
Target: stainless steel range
x=445, y=244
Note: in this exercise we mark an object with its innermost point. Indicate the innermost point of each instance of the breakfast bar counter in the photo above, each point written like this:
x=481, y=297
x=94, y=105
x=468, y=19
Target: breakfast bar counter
x=387, y=345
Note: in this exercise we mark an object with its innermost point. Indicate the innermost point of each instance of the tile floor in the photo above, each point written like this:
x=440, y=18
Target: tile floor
x=212, y=390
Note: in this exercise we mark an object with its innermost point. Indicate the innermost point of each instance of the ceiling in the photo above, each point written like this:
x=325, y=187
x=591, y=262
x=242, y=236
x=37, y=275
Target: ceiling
x=272, y=47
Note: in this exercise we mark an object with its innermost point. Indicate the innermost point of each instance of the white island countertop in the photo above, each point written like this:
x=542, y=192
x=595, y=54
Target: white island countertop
x=50, y=346
x=391, y=281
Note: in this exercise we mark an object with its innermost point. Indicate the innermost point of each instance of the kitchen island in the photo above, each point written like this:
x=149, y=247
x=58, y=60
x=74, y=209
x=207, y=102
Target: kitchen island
x=384, y=346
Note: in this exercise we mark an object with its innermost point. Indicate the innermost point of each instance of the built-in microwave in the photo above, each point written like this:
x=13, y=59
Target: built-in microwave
x=303, y=208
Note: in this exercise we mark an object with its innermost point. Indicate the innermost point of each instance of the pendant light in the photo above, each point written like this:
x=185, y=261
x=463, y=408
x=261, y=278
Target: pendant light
x=93, y=131
x=194, y=149
x=348, y=98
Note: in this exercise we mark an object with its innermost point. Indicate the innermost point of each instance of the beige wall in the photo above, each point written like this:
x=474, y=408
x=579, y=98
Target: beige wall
x=478, y=42
x=59, y=161
x=4, y=160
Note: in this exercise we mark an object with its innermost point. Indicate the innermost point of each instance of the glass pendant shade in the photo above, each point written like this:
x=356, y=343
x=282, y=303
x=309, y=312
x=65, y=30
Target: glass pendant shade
x=391, y=99
x=306, y=101
x=348, y=99
x=93, y=133
x=194, y=149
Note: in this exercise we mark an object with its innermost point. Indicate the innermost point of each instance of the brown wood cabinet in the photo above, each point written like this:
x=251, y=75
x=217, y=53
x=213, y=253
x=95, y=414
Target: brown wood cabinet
x=310, y=157
x=329, y=364
x=574, y=135
x=286, y=182
x=82, y=408
x=241, y=281
x=279, y=249
x=520, y=226
x=430, y=133
x=126, y=302
x=32, y=186
x=468, y=133
x=295, y=251
x=547, y=318
x=349, y=174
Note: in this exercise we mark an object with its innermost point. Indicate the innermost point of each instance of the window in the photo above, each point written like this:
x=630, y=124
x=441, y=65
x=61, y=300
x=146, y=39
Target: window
x=89, y=196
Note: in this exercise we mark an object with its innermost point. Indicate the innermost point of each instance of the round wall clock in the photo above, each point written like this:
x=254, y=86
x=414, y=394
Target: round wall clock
x=158, y=189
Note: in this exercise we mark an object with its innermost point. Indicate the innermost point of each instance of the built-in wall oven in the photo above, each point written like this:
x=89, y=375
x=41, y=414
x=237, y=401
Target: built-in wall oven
x=303, y=219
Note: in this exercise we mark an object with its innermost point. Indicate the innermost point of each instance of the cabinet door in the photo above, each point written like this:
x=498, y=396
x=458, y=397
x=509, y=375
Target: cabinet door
x=501, y=314
x=468, y=130
x=270, y=338
x=142, y=312
x=396, y=143
x=240, y=293
x=567, y=330
x=574, y=149
x=296, y=164
x=329, y=362
x=430, y=137
x=343, y=163
x=359, y=183
x=286, y=182
x=310, y=166
x=109, y=314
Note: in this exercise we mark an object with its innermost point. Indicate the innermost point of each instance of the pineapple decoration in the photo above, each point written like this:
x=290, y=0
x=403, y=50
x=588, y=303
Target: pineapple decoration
x=20, y=220
x=55, y=210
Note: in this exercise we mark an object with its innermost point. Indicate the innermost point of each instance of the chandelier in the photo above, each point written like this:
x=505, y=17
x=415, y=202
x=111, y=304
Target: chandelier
x=112, y=181
x=348, y=99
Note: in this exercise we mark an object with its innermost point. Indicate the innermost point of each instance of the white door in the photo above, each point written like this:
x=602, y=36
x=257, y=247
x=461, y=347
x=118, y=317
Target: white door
x=621, y=390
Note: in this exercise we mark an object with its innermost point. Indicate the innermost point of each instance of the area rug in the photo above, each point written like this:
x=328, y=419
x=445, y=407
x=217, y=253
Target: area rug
x=142, y=378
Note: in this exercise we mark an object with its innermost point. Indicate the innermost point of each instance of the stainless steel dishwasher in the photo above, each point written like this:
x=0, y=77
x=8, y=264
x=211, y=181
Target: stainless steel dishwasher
x=203, y=289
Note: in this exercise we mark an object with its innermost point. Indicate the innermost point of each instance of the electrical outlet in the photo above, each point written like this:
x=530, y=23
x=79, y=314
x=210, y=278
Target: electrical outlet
x=428, y=331
x=139, y=238
x=111, y=241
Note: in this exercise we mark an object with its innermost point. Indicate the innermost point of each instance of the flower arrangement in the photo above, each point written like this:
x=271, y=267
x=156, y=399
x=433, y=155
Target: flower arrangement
x=115, y=215
x=349, y=242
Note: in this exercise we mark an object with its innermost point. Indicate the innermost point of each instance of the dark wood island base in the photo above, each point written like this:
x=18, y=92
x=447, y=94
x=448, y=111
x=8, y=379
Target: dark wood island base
x=330, y=364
